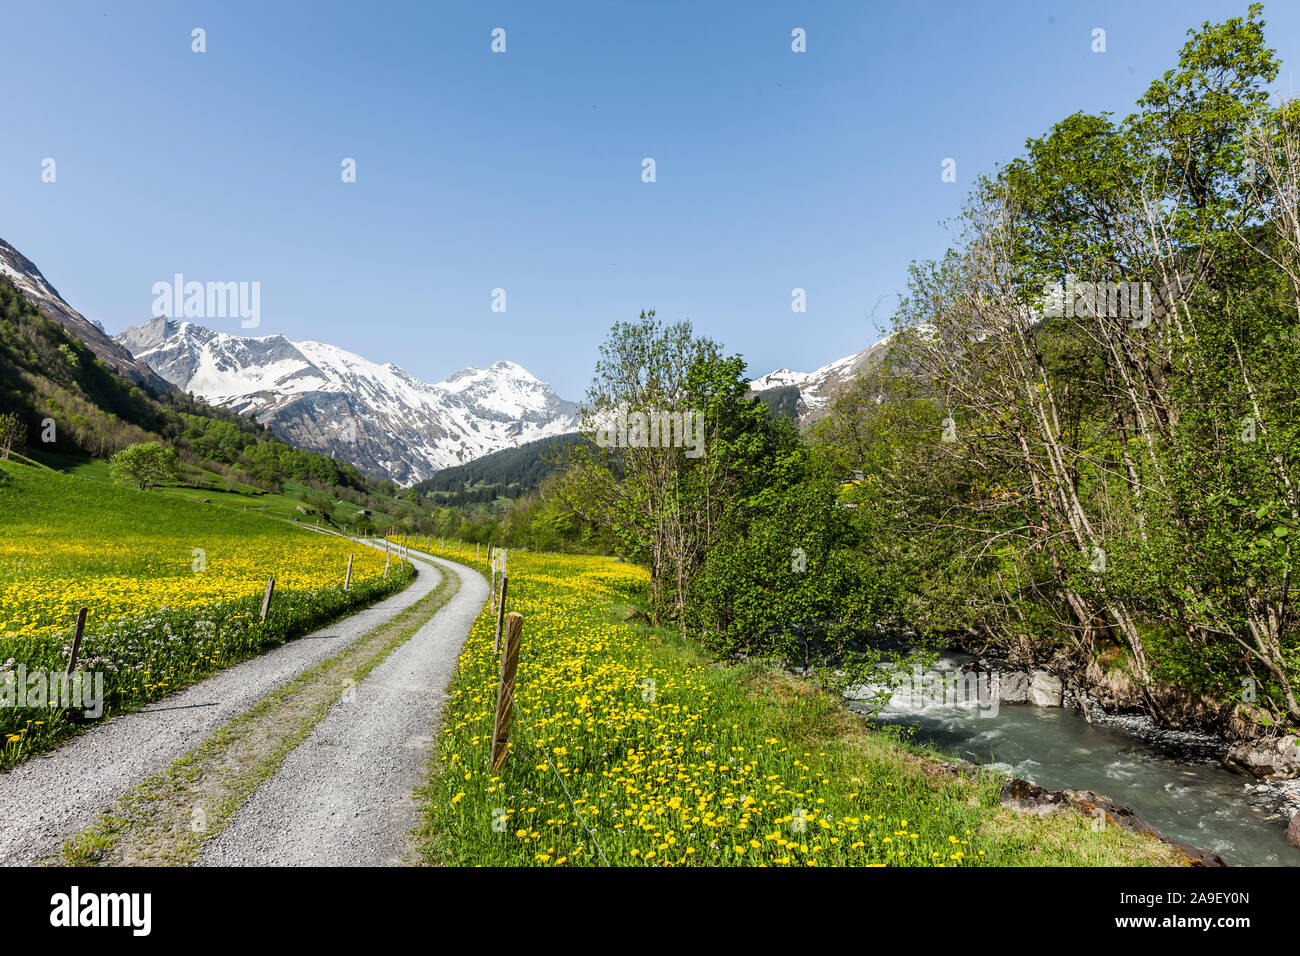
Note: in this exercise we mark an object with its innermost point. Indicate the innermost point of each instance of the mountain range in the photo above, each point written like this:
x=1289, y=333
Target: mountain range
x=324, y=398
x=378, y=417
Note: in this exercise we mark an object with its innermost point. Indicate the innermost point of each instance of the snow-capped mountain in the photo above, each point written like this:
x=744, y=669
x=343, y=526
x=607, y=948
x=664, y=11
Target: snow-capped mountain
x=816, y=389
x=27, y=279
x=379, y=417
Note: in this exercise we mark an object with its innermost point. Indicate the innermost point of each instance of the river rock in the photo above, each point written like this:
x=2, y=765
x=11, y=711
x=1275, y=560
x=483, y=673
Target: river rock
x=1266, y=759
x=1247, y=721
x=1013, y=687
x=1029, y=798
x=1045, y=690
x=1293, y=831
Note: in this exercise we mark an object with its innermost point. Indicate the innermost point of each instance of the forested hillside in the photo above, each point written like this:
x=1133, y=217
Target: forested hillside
x=69, y=405
x=509, y=473
x=1085, y=452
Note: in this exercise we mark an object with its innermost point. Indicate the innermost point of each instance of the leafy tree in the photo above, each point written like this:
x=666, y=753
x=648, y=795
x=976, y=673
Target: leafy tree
x=747, y=543
x=635, y=487
x=12, y=433
x=145, y=465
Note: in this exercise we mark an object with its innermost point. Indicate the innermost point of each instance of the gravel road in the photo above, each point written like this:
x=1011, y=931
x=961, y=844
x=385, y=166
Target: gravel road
x=49, y=799
x=343, y=797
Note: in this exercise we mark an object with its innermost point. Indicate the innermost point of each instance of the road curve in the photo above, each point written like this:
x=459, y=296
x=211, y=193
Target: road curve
x=343, y=797
x=50, y=798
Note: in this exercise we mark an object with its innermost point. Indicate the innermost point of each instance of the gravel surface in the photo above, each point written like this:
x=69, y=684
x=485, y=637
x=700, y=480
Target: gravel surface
x=344, y=796
x=50, y=798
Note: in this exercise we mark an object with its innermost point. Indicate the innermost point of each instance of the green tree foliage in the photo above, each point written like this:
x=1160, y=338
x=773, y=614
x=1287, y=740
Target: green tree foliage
x=145, y=465
x=747, y=543
x=1079, y=483
x=12, y=434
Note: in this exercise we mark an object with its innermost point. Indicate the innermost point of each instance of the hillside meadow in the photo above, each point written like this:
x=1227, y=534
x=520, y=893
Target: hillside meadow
x=173, y=590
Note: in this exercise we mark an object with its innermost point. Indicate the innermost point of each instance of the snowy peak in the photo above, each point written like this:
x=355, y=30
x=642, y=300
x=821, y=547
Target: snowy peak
x=218, y=366
x=504, y=391
x=818, y=388
x=150, y=335
x=378, y=416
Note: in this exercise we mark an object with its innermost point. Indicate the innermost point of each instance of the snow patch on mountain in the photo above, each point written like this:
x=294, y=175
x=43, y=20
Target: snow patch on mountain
x=817, y=388
x=378, y=416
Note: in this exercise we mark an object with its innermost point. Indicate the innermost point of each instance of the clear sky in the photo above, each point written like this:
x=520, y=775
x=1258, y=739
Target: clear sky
x=523, y=170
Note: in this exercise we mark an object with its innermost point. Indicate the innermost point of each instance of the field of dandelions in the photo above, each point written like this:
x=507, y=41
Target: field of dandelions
x=173, y=591
x=626, y=751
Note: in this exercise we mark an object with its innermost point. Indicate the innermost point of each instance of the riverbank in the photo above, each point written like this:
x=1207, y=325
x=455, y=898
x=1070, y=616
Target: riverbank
x=1173, y=779
x=631, y=748
x=1106, y=683
x=1243, y=737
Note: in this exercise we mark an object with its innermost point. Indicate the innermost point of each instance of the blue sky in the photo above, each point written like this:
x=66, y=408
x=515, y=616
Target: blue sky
x=522, y=170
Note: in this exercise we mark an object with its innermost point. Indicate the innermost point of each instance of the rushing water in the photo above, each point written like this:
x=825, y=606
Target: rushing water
x=1174, y=781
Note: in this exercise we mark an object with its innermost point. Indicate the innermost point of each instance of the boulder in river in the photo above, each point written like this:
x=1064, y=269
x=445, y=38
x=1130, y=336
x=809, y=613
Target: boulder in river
x=1013, y=687
x=1039, y=688
x=1266, y=759
x=1045, y=690
x=1293, y=831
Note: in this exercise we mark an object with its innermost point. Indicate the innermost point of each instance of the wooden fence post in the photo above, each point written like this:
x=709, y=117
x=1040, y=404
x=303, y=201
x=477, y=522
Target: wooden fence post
x=501, y=610
x=266, y=598
x=388, y=556
x=506, y=690
x=76, y=640
x=347, y=578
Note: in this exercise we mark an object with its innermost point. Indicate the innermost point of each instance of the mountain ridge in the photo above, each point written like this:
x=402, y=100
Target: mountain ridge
x=328, y=399
x=378, y=416
x=817, y=388
x=28, y=279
